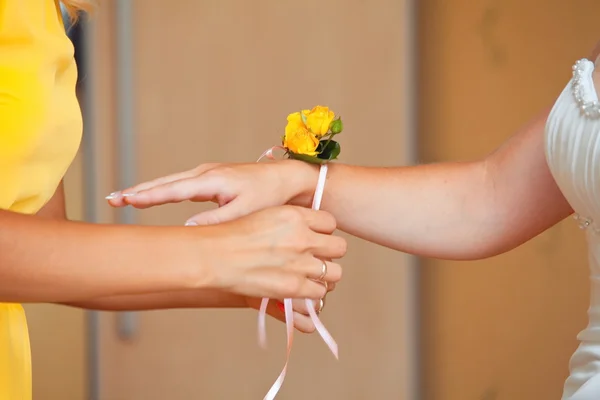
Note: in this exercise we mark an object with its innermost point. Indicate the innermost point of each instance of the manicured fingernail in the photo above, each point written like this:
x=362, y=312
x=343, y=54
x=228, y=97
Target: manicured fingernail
x=113, y=195
x=128, y=194
x=191, y=223
x=280, y=306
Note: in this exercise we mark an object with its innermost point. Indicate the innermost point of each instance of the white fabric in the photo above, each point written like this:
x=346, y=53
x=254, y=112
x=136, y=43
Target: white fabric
x=573, y=153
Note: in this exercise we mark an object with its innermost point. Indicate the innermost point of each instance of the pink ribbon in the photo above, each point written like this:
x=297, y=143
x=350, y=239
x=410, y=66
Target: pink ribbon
x=287, y=303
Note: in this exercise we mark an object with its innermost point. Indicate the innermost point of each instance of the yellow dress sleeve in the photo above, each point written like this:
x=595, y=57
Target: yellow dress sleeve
x=40, y=119
x=22, y=115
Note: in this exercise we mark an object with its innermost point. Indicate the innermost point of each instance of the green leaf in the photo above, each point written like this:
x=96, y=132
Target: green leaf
x=309, y=159
x=328, y=149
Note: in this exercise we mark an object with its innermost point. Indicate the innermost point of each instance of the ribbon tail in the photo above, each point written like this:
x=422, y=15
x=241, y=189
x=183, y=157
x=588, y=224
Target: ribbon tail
x=288, y=308
x=327, y=338
x=289, y=324
x=320, y=189
x=262, y=318
x=269, y=153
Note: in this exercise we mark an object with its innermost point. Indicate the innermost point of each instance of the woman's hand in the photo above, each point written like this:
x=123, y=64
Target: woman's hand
x=238, y=189
x=241, y=189
x=273, y=253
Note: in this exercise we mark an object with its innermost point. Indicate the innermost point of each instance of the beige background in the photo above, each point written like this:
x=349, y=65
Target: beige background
x=500, y=329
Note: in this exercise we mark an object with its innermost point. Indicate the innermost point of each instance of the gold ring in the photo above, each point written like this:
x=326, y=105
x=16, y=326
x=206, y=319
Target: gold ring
x=321, y=305
x=323, y=271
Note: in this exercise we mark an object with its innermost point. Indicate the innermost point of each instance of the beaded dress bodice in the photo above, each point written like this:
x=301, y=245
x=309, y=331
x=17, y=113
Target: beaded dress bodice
x=572, y=144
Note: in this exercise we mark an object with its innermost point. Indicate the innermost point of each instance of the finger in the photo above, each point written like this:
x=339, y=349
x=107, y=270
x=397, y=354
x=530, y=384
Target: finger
x=318, y=221
x=331, y=287
x=333, y=273
x=199, y=170
x=117, y=199
x=310, y=290
x=327, y=246
x=229, y=212
x=301, y=322
x=299, y=306
x=313, y=269
x=279, y=283
x=196, y=188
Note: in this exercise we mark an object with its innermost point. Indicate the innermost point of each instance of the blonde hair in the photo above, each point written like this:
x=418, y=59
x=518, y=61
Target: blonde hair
x=73, y=7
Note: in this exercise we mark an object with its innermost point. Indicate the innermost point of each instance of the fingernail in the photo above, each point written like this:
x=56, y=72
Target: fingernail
x=191, y=223
x=128, y=194
x=113, y=195
x=280, y=306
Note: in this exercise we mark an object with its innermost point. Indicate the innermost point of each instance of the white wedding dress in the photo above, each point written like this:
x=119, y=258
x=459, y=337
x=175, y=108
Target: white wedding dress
x=573, y=152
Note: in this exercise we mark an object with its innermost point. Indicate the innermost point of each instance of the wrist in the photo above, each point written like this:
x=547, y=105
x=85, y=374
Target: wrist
x=230, y=300
x=202, y=250
x=214, y=298
x=301, y=178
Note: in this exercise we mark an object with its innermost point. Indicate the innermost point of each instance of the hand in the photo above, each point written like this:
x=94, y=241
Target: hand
x=273, y=253
x=238, y=189
x=302, y=321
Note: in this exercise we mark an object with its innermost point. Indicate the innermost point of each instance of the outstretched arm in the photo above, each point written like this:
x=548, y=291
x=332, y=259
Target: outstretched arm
x=464, y=211
x=452, y=210
x=467, y=210
x=198, y=298
x=46, y=260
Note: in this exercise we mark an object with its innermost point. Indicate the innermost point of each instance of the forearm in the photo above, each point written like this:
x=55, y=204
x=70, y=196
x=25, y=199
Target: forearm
x=202, y=298
x=449, y=210
x=436, y=210
x=47, y=260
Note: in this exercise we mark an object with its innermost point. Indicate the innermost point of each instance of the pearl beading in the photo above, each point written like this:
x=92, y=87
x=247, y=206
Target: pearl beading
x=586, y=223
x=590, y=109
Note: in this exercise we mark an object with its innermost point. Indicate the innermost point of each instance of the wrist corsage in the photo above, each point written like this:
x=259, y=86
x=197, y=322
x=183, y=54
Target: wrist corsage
x=308, y=137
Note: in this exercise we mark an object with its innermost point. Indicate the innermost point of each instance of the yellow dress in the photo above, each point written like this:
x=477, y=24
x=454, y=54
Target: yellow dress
x=40, y=132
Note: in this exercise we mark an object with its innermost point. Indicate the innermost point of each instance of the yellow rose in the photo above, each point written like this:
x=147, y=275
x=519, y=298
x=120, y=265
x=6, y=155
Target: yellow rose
x=297, y=138
x=294, y=122
x=318, y=120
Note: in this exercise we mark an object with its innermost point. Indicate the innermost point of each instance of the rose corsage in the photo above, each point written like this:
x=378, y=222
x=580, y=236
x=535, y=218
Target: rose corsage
x=308, y=137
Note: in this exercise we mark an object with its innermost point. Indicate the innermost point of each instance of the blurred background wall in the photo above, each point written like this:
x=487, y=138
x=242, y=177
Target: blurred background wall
x=212, y=80
x=503, y=328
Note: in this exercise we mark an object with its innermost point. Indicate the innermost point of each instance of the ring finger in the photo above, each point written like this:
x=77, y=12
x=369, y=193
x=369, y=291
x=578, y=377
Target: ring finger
x=323, y=271
x=299, y=305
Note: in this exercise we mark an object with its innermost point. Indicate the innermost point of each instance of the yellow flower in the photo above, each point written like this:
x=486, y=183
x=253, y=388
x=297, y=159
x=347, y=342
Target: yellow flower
x=318, y=119
x=297, y=138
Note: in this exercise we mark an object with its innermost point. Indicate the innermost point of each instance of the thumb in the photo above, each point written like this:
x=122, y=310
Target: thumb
x=229, y=212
